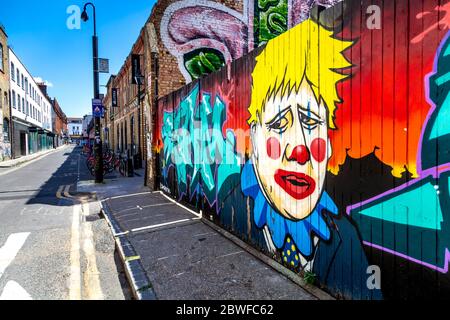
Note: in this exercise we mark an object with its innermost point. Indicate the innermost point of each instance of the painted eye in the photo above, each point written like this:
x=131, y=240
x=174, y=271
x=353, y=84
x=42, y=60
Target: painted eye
x=309, y=119
x=281, y=122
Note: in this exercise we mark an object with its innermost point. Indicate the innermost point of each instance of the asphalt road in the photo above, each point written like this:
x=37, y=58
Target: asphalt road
x=49, y=248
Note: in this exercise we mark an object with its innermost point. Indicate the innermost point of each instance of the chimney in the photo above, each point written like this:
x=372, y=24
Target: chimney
x=43, y=88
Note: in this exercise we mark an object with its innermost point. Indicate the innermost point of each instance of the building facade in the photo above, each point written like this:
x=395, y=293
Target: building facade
x=5, y=127
x=87, y=139
x=31, y=111
x=59, y=120
x=75, y=129
x=126, y=123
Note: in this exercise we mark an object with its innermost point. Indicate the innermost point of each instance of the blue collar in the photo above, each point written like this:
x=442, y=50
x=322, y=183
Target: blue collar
x=281, y=227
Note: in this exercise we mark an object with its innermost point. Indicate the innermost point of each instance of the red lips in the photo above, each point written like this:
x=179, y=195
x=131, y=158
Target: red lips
x=298, y=185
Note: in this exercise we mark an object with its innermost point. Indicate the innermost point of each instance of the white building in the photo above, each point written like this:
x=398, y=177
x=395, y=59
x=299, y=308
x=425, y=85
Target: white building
x=31, y=111
x=75, y=128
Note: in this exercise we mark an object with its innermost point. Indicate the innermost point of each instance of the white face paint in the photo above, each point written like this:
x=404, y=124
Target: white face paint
x=291, y=152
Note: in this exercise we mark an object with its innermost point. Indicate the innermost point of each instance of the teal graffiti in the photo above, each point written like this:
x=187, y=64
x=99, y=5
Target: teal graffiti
x=413, y=220
x=419, y=207
x=194, y=144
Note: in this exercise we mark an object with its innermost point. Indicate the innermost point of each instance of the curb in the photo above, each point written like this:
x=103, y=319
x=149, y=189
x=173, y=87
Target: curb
x=141, y=286
x=313, y=290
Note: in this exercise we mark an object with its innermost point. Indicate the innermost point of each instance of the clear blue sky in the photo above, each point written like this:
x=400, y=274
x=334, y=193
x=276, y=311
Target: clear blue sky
x=39, y=35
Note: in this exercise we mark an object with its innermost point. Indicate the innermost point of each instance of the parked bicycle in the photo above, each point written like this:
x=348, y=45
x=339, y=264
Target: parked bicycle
x=110, y=162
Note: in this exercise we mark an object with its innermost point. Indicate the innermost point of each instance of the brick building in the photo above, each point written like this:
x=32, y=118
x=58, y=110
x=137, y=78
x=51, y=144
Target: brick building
x=59, y=120
x=128, y=123
x=5, y=111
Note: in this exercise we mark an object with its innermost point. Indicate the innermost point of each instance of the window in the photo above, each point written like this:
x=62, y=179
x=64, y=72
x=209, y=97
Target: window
x=18, y=103
x=13, y=99
x=23, y=105
x=13, y=68
x=18, y=76
x=2, y=57
x=23, y=83
x=6, y=130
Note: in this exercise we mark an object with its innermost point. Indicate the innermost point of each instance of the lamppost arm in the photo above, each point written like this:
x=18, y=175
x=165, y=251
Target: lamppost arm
x=95, y=18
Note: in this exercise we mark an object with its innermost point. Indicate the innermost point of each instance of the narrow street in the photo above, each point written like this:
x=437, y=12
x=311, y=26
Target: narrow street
x=52, y=245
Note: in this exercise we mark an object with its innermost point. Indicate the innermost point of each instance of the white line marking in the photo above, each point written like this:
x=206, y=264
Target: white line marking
x=199, y=215
x=230, y=254
x=14, y=292
x=128, y=196
x=165, y=258
x=164, y=224
x=10, y=250
x=75, y=276
x=158, y=205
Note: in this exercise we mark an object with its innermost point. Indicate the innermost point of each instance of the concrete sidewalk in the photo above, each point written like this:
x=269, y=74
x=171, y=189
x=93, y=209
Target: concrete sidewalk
x=171, y=253
x=16, y=162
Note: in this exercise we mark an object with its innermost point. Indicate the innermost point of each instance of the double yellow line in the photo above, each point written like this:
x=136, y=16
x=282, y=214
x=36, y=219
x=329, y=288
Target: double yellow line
x=63, y=193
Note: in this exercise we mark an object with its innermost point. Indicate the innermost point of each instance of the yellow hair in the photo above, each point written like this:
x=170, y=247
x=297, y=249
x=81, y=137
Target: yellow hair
x=307, y=50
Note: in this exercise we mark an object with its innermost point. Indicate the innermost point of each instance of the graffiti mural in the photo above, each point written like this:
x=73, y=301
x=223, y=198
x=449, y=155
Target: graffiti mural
x=205, y=35
x=327, y=148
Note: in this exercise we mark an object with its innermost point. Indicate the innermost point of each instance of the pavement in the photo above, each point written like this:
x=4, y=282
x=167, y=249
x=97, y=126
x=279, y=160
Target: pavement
x=53, y=244
x=171, y=253
x=16, y=162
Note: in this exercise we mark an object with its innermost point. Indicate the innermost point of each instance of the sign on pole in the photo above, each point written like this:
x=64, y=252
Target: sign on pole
x=97, y=108
x=103, y=65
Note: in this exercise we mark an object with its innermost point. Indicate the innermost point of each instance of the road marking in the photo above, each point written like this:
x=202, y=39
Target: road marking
x=164, y=224
x=128, y=196
x=91, y=277
x=10, y=250
x=59, y=192
x=75, y=274
x=66, y=192
x=13, y=291
x=199, y=215
x=230, y=254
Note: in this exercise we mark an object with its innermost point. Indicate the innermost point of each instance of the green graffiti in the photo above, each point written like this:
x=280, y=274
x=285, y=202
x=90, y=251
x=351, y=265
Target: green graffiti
x=202, y=62
x=195, y=145
x=270, y=19
x=419, y=207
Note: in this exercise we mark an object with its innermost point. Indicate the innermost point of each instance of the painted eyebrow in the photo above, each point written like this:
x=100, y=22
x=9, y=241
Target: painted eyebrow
x=308, y=110
x=279, y=115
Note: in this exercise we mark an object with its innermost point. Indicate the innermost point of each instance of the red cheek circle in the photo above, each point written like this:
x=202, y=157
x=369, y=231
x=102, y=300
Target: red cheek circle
x=319, y=149
x=273, y=148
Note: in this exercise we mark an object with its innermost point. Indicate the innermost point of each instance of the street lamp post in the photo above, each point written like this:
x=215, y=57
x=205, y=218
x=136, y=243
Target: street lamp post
x=98, y=152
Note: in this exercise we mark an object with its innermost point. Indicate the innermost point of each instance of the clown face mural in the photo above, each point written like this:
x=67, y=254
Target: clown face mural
x=294, y=98
x=291, y=149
